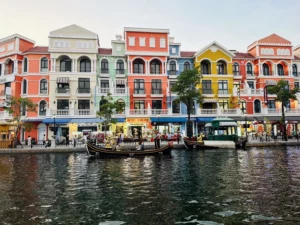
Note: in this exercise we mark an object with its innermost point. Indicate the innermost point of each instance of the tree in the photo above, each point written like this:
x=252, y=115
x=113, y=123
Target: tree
x=283, y=94
x=187, y=92
x=18, y=108
x=108, y=108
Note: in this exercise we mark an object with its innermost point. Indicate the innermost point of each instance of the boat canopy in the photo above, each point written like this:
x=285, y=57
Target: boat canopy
x=228, y=124
x=208, y=125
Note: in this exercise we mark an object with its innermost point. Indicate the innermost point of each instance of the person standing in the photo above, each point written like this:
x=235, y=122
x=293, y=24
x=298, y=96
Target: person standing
x=74, y=141
x=29, y=142
x=44, y=139
x=158, y=139
x=67, y=140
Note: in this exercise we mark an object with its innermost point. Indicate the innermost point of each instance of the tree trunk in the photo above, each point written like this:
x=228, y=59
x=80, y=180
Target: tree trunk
x=189, y=130
x=283, y=122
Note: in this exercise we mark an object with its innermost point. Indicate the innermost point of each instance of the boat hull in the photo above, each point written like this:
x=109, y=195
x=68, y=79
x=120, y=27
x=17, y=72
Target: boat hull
x=106, y=152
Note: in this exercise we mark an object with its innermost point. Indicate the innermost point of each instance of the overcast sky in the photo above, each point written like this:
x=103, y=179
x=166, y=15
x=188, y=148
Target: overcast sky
x=195, y=23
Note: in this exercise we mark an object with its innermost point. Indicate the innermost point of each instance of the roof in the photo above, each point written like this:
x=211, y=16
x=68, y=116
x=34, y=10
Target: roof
x=73, y=31
x=37, y=49
x=242, y=55
x=187, y=54
x=216, y=46
x=273, y=39
x=105, y=51
x=296, y=58
x=11, y=37
x=150, y=30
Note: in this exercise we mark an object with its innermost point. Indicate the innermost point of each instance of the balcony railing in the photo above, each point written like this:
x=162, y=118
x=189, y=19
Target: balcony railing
x=83, y=112
x=236, y=73
x=120, y=71
x=103, y=90
x=223, y=91
x=140, y=91
x=83, y=90
x=61, y=112
x=71, y=112
x=105, y=71
x=119, y=90
x=228, y=111
x=156, y=91
x=209, y=111
x=159, y=112
x=296, y=74
x=207, y=91
x=138, y=112
x=63, y=90
x=272, y=111
x=172, y=72
x=43, y=92
x=250, y=73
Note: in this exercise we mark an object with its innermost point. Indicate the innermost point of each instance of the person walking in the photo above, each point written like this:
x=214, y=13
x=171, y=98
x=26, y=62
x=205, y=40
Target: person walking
x=29, y=142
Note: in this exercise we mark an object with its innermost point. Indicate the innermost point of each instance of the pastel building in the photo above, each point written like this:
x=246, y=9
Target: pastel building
x=112, y=78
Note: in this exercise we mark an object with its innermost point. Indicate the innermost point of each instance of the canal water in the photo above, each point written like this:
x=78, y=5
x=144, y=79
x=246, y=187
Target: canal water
x=259, y=186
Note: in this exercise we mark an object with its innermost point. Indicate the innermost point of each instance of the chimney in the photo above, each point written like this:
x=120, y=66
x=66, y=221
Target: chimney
x=171, y=40
x=118, y=37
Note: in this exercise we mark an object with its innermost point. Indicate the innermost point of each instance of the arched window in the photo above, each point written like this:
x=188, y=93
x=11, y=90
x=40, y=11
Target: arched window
x=120, y=67
x=187, y=66
x=266, y=70
x=42, y=108
x=24, y=87
x=85, y=65
x=175, y=107
x=65, y=64
x=236, y=69
x=138, y=66
x=257, y=106
x=121, y=104
x=104, y=66
x=205, y=67
x=25, y=65
x=249, y=69
x=43, y=86
x=295, y=70
x=222, y=67
x=44, y=64
x=155, y=67
x=280, y=70
x=172, y=68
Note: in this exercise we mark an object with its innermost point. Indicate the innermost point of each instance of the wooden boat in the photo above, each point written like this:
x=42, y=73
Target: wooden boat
x=189, y=144
x=108, y=152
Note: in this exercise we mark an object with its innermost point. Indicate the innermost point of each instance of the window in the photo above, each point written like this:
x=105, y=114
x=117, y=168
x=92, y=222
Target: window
x=140, y=104
x=104, y=86
x=223, y=87
x=175, y=106
x=205, y=67
x=0, y=69
x=223, y=104
x=287, y=104
x=118, y=48
x=104, y=66
x=257, y=107
x=85, y=65
x=131, y=41
x=24, y=86
x=62, y=104
x=156, y=104
x=271, y=104
x=236, y=69
x=156, y=86
x=172, y=68
x=84, y=85
x=138, y=66
x=152, y=42
x=187, y=66
x=44, y=64
x=295, y=71
x=250, y=84
x=280, y=70
x=139, y=87
x=174, y=51
x=23, y=110
x=12, y=67
x=43, y=86
x=206, y=87
x=243, y=106
x=162, y=43
x=171, y=84
x=297, y=85
x=83, y=104
x=221, y=66
x=120, y=67
x=25, y=65
x=266, y=70
x=142, y=41
x=42, y=108
x=155, y=67
x=249, y=69
x=65, y=65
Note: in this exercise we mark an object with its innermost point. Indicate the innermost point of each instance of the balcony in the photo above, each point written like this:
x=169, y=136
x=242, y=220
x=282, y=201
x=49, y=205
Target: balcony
x=139, y=93
x=250, y=91
x=237, y=75
x=224, y=92
x=157, y=93
x=83, y=93
x=4, y=115
x=114, y=91
x=63, y=92
x=209, y=111
x=159, y=112
x=138, y=112
x=71, y=113
x=120, y=73
x=172, y=72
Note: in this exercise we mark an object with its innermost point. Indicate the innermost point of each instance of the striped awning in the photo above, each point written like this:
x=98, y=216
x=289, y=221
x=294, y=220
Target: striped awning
x=271, y=82
x=210, y=101
x=62, y=80
x=120, y=82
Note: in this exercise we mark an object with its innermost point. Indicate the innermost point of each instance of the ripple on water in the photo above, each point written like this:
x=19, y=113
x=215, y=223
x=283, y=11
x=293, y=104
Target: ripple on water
x=200, y=222
x=112, y=223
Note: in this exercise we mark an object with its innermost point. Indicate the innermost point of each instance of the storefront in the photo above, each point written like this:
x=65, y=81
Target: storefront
x=169, y=124
x=201, y=121
x=138, y=125
x=119, y=127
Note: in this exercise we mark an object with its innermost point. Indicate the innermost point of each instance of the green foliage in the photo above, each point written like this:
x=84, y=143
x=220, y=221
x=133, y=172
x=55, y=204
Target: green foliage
x=108, y=108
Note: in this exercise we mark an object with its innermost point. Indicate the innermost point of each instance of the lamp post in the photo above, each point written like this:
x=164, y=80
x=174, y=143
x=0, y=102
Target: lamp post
x=246, y=126
x=53, y=142
x=158, y=122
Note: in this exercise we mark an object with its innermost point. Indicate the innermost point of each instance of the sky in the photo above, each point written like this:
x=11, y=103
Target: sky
x=235, y=24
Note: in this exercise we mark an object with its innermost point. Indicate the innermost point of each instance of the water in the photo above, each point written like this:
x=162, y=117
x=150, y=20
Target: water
x=261, y=186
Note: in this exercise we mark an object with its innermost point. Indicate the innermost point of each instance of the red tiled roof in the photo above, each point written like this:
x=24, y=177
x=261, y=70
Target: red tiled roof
x=187, y=54
x=105, y=51
x=274, y=38
x=37, y=49
x=242, y=55
x=296, y=58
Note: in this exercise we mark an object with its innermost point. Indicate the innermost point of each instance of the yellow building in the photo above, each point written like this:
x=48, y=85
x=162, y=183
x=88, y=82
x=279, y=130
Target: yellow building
x=215, y=63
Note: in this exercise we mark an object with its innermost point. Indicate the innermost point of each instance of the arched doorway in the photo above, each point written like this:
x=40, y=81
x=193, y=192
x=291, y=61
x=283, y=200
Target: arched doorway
x=257, y=106
x=41, y=131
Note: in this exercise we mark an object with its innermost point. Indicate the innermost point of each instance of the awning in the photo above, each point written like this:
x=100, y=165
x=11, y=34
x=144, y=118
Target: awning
x=62, y=80
x=271, y=82
x=208, y=125
x=120, y=82
x=33, y=120
x=86, y=120
x=228, y=124
x=121, y=120
x=169, y=120
x=57, y=120
x=210, y=101
x=204, y=119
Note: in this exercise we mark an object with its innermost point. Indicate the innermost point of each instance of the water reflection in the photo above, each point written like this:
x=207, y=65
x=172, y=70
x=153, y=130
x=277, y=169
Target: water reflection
x=260, y=186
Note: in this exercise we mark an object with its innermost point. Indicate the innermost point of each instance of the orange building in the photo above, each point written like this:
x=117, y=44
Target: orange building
x=147, y=51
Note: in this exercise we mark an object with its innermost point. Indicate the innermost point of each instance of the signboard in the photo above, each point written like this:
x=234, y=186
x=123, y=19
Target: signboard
x=137, y=121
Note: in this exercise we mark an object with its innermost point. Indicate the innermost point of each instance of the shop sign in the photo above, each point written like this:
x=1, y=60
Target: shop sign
x=5, y=79
x=137, y=121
